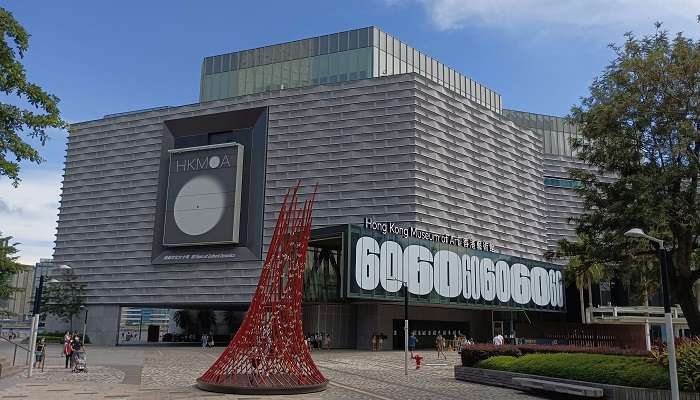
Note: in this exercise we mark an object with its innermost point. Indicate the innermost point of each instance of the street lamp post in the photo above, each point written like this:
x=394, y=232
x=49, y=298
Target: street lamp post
x=84, y=322
x=36, y=311
x=405, y=324
x=670, y=334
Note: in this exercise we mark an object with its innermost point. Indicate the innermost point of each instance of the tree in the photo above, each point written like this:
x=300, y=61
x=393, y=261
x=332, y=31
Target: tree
x=9, y=267
x=206, y=319
x=640, y=128
x=64, y=298
x=183, y=320
x=583, y=275
x=15, y=121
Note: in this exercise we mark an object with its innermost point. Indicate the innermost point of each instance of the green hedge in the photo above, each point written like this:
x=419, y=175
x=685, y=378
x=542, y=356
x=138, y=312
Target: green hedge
x=599, y=368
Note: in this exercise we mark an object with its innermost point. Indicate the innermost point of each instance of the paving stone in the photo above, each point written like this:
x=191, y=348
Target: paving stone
x=168, y=373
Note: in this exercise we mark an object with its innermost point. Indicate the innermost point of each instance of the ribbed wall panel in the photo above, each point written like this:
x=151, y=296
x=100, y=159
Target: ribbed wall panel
x=478, y=173
x=399, y=149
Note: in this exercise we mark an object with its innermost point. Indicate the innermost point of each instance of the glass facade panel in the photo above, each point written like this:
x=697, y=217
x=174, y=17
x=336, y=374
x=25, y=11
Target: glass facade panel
x=267, y=77
x=361, y=53
x=342, y=41
x=324, y=45
x=226, y=63
x=364, y=37
x=352, y=40
x=333, y=43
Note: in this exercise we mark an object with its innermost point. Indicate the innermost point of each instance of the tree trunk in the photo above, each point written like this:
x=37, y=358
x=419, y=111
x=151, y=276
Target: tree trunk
x=583, y=305
x=683, y=294
x=590, y=301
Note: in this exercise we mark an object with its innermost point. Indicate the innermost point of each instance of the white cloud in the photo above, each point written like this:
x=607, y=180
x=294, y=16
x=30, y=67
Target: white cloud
x=572, y=16
x=29, y=212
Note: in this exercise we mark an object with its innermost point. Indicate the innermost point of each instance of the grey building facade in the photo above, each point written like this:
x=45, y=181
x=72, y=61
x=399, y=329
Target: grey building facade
x=405, y=148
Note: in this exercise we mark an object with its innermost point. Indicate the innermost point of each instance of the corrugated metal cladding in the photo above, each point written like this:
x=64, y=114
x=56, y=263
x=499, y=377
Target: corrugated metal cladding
x=400, y=148
x=562, y=202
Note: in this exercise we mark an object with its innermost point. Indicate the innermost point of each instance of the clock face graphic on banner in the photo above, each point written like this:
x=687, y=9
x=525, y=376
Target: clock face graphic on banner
x=204, y=190
x=199, y=205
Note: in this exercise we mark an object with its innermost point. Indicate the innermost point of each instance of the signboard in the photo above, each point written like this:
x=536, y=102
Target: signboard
x=440, y=273
x=204, y=195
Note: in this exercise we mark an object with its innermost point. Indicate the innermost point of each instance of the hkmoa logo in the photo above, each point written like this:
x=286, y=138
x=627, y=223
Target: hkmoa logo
x=451, y=275
x=202, y=163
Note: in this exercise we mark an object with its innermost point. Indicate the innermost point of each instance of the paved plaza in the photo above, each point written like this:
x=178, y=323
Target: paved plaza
x=170, y=372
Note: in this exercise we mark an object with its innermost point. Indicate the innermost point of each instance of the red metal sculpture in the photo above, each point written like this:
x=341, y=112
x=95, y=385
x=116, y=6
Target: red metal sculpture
x=268, y=354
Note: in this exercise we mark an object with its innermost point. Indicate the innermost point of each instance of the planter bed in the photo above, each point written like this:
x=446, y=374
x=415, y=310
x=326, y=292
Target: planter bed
x=505, y=379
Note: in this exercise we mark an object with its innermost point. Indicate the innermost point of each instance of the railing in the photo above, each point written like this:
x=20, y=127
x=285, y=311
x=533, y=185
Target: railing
x=587, y=335
x=14, y=355
x=636, y=315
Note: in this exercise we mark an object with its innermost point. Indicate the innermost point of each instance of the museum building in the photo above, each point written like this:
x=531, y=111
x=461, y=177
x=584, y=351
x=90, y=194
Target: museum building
x=424, y=182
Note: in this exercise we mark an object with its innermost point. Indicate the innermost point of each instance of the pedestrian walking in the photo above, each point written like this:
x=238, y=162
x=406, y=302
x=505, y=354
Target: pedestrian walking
x=68, y=350
x=440, y=345
x=40, y=354
x=412, y=341
x=498, y=339
x=381, y=341
x=205, y=340
x=211, y=341
x=374, y=342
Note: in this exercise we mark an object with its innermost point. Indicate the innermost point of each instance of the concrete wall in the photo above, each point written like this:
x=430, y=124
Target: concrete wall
x=401, y=149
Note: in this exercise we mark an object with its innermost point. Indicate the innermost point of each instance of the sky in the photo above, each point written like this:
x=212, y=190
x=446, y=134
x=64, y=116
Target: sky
x=107, y=57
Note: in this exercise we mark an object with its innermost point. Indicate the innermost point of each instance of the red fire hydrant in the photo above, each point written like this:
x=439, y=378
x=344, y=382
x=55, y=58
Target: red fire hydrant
x=418, y=359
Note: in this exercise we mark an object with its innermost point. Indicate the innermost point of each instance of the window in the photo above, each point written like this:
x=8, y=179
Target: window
x=342, y=41
x=259, y=82
x=267, y=55
x=234, y=61
x=295, y=50
x=226, y=63
x=277, y=74
x=304, y=50
x=208, y=65
x=324, y=45
x=562, y=183
x=257, y=58
x=315, y=46
x=363, y=38
x=267, y=77
x=243, y=61
x=217, y=64
x=333, y=43
x=403, y=52
x=382, y=41
x=352, y=40
x=294, y=71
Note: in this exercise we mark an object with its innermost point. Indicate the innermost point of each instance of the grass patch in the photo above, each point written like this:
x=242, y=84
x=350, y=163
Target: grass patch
x=599, y=368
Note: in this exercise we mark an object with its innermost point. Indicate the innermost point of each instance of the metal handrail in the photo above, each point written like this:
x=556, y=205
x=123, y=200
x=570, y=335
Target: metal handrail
x=14, y=356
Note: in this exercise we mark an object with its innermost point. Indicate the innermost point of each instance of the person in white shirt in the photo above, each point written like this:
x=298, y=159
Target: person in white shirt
x=498, y=339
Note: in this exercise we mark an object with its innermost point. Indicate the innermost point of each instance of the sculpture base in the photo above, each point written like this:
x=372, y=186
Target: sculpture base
x=242, y=388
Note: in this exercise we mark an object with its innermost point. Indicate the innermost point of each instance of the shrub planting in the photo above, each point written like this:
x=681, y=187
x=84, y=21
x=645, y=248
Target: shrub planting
x=600, y=368
x=477, y=352
x=688, y=361
x=474, y=353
